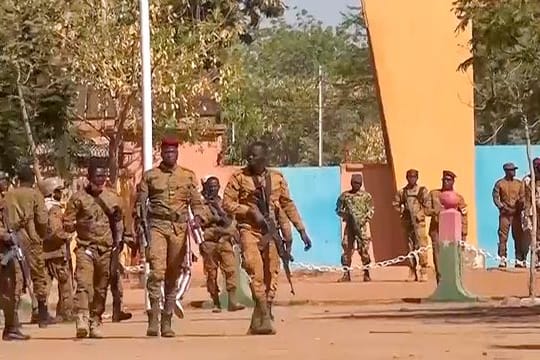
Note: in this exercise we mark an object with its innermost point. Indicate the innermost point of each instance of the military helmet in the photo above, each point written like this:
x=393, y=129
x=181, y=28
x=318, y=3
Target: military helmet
x=48, y=186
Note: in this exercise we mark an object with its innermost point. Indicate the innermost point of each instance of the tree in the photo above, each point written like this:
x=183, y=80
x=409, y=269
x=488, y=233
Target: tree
x=506, y=58
x=35, y=93
x=189, y=39
x=276, y=99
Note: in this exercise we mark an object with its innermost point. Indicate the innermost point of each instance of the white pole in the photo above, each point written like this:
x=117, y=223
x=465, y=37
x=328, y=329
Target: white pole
x=320, y=116
x=146, y=86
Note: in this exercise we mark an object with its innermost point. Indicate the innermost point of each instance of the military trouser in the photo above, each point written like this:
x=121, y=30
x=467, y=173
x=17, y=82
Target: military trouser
x=60, y=270
x=219, y=254
x=92, y=276
x=350, y=239
x=117, y=290
x=416, y=239
x=261, y=266
x=8, y=297
x=165, y=255
x=521, y=243
x=33, y=253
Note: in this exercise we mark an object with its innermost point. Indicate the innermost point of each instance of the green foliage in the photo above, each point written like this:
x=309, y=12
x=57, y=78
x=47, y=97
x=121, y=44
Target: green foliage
x=506, y=58
x=29, y=61
x=276, y=99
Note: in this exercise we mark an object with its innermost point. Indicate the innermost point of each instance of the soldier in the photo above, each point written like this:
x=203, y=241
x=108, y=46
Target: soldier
x=8, y=276
x=27, y=216
x=506, y=197
x=411, y=201
x=246, y=189
x=527, y=213
x=433, y=209
x=355, y=207
x=57, y=251
x=93, y=213
x=170, y=190
x=217, y=249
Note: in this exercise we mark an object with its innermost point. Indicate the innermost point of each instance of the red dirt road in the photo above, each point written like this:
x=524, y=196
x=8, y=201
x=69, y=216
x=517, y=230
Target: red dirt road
x=329, y=321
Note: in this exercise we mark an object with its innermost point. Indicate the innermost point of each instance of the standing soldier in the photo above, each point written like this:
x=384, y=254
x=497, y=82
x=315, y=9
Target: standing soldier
x=27, y=217
x=8, y=276
x=250, y=191
x=433, y=209
x=170, y=190
x=411, y=201
x=355, y=207
x=506, y=193
x=217, y=249
x=525, y=198
x=57, y=251
x=94, y=213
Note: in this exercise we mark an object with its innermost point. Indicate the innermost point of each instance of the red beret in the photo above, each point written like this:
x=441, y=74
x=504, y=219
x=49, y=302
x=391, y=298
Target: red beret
x=169, y=141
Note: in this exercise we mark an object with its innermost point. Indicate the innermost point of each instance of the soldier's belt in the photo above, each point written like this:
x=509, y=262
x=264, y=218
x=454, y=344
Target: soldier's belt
x=168, y=217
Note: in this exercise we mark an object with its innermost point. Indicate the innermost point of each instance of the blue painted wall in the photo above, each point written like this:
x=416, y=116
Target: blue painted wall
x=315, y=191
x=489, y=161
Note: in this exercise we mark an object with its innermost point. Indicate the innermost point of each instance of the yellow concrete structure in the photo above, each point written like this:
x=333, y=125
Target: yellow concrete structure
x=427, y=104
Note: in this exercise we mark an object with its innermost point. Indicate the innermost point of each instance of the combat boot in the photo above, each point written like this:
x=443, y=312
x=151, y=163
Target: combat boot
x=166, y=325
x=11, y=330
x=153, y=319
x=255, y=320
x=233, y=304
x=81, y=324
x=95, y=329
x=346, y=277
x=118, y=315
x=45, y=318
x=35, y=316
x=266, y=327
x=217, y=304
x=367, y=277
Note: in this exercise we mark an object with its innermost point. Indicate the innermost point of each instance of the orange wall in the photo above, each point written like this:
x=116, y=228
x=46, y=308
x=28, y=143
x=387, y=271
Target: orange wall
x=426, y=104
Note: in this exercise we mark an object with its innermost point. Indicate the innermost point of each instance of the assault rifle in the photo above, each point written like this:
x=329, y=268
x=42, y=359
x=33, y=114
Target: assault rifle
x=270, y=231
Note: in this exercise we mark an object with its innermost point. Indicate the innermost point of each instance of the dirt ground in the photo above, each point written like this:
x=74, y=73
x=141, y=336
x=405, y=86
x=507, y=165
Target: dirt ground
x=385, y=319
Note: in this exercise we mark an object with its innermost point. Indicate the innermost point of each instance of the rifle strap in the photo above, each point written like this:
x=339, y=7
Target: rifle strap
x=99, y=201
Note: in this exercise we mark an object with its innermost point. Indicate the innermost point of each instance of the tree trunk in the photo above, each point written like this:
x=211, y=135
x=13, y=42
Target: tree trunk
x=532, y=277
x=28, y=131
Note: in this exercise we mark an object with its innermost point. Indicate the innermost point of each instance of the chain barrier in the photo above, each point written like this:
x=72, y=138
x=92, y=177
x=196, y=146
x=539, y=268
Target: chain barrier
x=299, y=266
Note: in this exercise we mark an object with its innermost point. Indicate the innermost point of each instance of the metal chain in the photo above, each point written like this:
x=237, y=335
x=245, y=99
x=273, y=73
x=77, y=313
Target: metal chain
x=415, y=254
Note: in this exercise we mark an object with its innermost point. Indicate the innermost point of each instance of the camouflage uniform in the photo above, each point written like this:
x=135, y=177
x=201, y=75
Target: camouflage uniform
x=56, y=248
x=27, y=216
x=217, y=250
x=506, y=196
x=356, y=209
x=527, y=214
x=433, y=209
x=411, y=203
x=169, y=192
x=93, y=255
x=262, y=266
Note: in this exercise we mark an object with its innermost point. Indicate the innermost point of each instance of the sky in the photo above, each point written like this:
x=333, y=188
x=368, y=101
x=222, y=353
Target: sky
x=328, y=11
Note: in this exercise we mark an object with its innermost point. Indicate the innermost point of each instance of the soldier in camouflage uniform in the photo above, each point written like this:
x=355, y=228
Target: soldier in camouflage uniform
x=217, y=248
x=525, y=199
x=8, y=277
x=410, y=202
x=170, y=190
x=261, y=259
x=433, y=209
x=355, y=207
x=93, y=212
x=27, y=216
x=56, y=248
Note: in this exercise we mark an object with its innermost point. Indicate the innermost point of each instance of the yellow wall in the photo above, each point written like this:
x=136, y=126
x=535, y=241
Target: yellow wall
x=426, y=102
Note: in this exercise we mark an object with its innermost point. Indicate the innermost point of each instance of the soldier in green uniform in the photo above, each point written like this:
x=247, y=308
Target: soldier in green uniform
x=410, y=202
x=8, y=276
x=355, y=207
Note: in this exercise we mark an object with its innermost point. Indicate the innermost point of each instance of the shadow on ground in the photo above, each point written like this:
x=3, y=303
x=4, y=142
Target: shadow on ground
x=459, y=315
